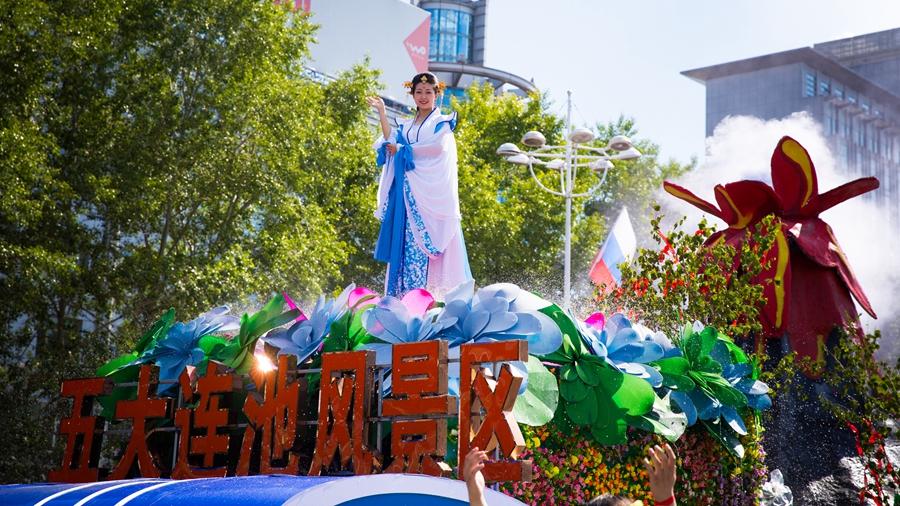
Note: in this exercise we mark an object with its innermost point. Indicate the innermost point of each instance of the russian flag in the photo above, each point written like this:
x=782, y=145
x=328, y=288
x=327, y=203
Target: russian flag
x=619, y=247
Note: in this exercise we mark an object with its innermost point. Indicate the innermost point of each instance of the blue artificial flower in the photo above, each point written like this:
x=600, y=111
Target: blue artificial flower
x=391, y=321
x=181, y=346
x=497, y=313
x=304, y=337
x=622, y=347
x=660, y=338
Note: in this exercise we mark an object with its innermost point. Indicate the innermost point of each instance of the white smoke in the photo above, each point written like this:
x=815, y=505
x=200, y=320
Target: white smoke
x=741, y=148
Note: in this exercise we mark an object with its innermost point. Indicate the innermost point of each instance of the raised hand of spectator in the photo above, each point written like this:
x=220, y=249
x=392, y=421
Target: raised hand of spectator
x=471, y=471
x=660, y=466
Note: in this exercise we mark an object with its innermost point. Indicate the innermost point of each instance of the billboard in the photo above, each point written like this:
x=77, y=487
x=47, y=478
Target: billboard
x=393, y=33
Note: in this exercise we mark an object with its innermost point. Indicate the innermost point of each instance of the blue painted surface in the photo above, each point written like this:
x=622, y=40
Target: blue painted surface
x=403, y=500
x=30, y=494
x=271, y=490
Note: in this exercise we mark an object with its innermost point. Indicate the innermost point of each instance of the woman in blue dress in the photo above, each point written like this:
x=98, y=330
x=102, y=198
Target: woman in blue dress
x=418, y=197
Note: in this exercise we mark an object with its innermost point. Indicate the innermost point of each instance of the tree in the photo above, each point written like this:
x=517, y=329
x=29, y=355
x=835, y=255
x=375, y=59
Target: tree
x=159, y=154
x=684, y=280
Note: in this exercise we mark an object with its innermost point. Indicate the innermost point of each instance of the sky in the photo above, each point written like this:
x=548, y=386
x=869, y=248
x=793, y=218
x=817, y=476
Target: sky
x=626, y=57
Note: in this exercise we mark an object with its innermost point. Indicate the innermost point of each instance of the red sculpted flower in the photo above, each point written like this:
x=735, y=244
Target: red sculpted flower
x=812, y=281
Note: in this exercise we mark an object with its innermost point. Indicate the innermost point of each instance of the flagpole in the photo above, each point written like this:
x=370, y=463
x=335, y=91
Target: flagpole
x=567, y=285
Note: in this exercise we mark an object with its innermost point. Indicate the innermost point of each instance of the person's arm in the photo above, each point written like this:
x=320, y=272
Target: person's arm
x=378, y=104
x=471, y=471
x=661, y=469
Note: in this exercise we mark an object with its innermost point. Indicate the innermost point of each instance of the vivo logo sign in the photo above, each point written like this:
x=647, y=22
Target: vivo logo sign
x=417, y=50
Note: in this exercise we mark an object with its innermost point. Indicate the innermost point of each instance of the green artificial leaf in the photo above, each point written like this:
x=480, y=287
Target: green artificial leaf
x=573, y=391
x=662, y=420
x=157, y=331
x=115, y=364
x=358, y=334
x=568, y=372
x=693, y=343
x=727, y=394
x=708, y=365
x=587, y=372
x=572, y=347
x=708, y=338
x=613, y=434
x=631, y=394
x=244, y=361
x=724, y=434
x=737, y=354
x=672, y=365
x=607, y=412
x=210, y=343
x=538, y=403
x=686, y=331
x=678, y=382
x=674, y=371
x=339, y=337
x=583, y=412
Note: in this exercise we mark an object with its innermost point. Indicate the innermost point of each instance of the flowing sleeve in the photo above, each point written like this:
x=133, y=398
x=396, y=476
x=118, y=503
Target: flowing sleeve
x=387, y=170
x=381, y=140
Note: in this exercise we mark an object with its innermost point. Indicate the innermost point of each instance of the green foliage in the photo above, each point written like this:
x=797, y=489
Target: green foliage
x=687, y=281
x=158, y=154
x=867, y=399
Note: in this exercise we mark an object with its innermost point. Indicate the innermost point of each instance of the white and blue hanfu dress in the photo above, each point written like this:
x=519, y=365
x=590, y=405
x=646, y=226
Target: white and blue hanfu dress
x=418, y=206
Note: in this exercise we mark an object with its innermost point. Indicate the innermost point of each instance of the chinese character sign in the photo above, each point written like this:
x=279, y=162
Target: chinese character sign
x=270, y=422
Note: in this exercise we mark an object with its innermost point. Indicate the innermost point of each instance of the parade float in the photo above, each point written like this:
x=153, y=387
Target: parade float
x=344, y=402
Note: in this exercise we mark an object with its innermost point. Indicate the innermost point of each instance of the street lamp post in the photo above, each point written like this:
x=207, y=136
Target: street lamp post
x=567, y=163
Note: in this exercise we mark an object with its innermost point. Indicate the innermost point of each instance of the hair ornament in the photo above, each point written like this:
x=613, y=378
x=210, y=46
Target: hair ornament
x=424, y=78
x=441, y=87
x=408, y=85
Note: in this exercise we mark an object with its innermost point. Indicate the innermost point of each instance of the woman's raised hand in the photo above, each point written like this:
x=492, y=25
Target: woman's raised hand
x=377, y=103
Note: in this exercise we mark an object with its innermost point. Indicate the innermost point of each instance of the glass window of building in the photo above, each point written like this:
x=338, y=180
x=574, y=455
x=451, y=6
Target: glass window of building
x=838, y=92
x=810, y=85
x=851, y=97
x=443, y=101
x=451, y=36
x=824, y=86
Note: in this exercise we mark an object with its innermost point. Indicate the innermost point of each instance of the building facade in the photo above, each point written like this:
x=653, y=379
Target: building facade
x=456, y=52
x=404, y=37
x=851, y=87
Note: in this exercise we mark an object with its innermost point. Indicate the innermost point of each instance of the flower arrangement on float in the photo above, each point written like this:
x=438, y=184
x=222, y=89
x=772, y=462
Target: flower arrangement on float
x=597, y=391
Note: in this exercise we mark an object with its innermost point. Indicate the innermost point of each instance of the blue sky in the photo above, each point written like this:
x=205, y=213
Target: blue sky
x=626, y=57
